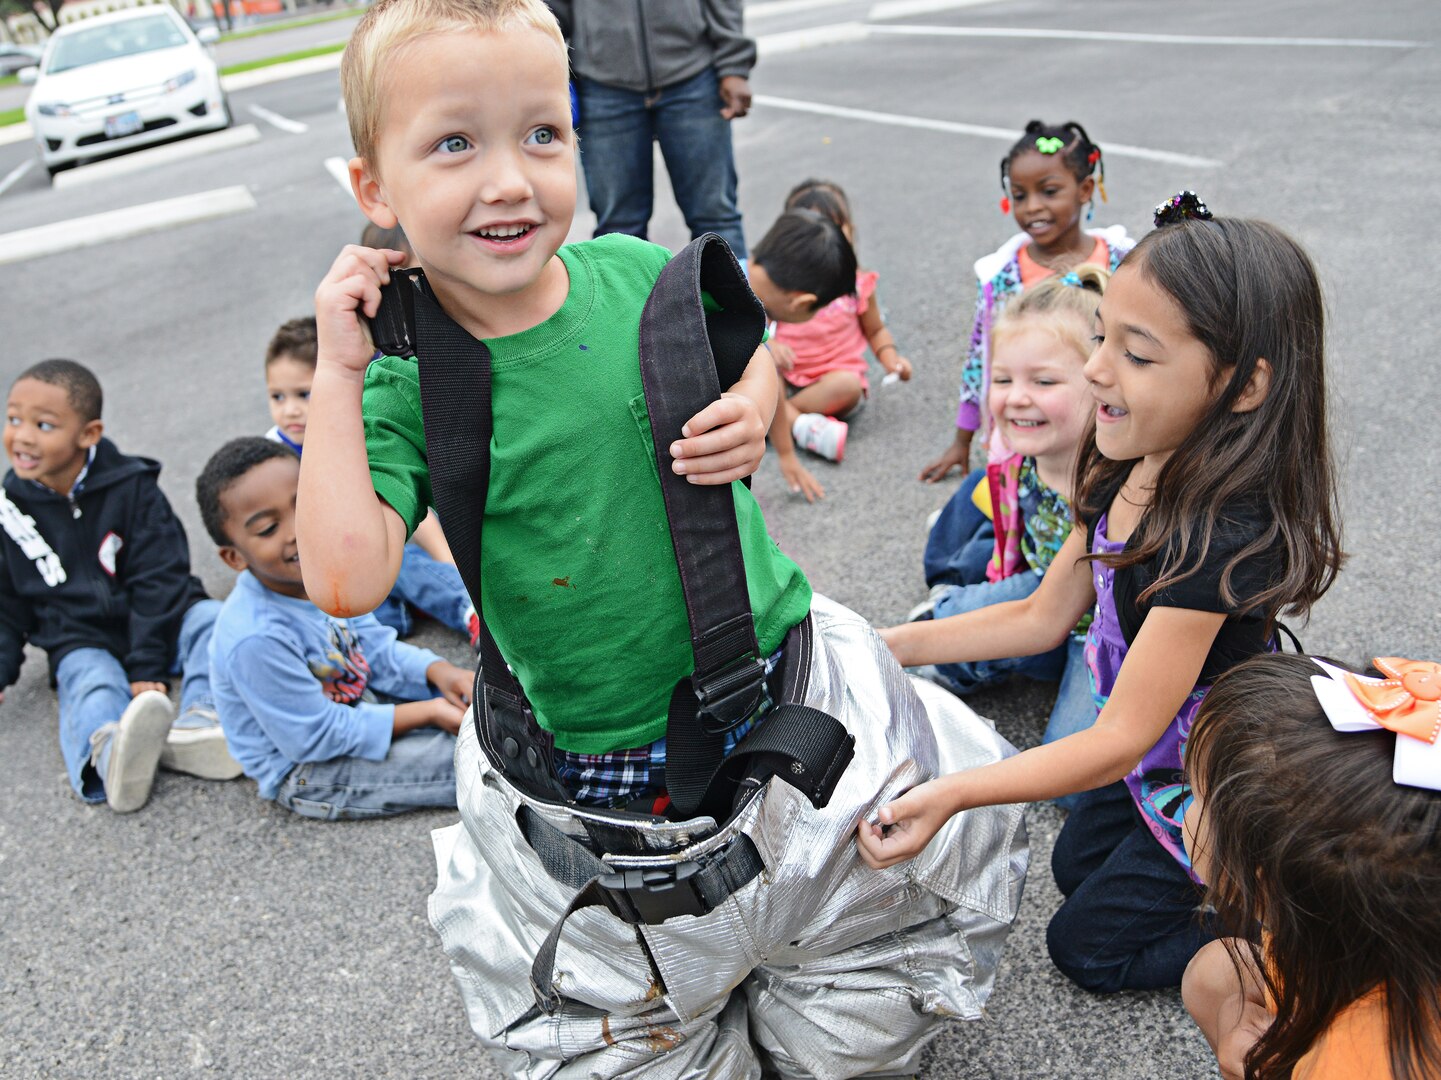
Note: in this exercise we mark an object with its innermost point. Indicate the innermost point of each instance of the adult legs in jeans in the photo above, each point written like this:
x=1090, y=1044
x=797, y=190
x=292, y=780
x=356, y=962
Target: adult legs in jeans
x=430, y=585
x=1130, y=919
x=962, y=540
x=695, y=141
x=418, y=771
x=616, y=131
x=970, y=675
x=94, y=690
x=618, y=128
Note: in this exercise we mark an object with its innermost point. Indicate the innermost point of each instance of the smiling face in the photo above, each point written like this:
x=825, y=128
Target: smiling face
x=475, y=159
x=46, y=440
x=1152, y=380
x=287, y=381
x=1047, y=199
x=259, y=509
x=1039, y=398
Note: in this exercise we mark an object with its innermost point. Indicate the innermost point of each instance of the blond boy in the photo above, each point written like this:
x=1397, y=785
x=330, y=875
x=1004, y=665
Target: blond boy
x=461, y=120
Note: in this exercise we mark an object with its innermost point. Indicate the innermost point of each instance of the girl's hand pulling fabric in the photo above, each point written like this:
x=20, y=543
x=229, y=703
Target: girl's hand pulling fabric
x=782, y=354
x=903, y=827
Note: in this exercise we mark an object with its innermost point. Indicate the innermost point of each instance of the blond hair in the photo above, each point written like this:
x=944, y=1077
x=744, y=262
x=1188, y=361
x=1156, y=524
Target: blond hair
x=392, y=24
x=1066, y=306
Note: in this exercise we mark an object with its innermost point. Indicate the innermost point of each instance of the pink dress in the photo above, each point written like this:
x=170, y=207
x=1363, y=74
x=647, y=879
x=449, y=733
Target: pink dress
x=833, y=340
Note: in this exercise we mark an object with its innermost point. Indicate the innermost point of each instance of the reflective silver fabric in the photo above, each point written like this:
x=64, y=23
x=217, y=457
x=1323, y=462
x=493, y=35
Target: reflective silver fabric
x=840, y=970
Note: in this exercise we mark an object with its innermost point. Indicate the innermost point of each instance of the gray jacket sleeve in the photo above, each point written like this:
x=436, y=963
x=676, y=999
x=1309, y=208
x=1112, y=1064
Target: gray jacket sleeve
x=735, y=54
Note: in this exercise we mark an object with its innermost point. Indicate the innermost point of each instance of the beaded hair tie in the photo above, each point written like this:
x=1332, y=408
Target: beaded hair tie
x=1183, y=206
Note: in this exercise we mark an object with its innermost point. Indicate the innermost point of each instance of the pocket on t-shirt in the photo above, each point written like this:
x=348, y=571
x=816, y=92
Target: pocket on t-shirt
x=647, y=437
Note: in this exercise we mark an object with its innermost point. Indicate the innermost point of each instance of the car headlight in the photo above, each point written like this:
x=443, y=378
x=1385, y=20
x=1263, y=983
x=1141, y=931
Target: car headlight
x=185, y=78
x=53, y=108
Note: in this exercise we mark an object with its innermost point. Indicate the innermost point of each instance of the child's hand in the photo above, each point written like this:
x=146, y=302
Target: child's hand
x=138, y=688
x=902, y=368
x=454, y=683
x=783, y=355
x=904, y=828
x=723, y=442
x=444, y=715
x=348, y=294
x=799, y=479
x=958, y=453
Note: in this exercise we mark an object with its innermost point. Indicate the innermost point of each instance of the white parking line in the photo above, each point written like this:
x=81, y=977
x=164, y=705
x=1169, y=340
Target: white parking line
x=118, y=224
x=902, y=9
x=339, y=168
x=811, y=37
x=1149, y=39
x=788, y=7
x=982, y=131
x=15, y=174
x=159, y=155
x=284, y=123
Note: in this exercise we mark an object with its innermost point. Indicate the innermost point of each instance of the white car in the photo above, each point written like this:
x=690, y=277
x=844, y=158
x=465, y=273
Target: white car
x=122, y=80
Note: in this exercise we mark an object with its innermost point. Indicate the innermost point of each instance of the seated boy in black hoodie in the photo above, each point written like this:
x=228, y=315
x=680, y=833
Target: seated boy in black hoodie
x=95, y=570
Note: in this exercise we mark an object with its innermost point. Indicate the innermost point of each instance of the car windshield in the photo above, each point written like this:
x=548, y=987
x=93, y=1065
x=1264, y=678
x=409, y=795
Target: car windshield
x=94, y=44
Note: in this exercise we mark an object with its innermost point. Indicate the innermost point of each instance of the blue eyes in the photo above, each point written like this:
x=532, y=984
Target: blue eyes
x=458, y=144
x=543, y=136
x=455, y=144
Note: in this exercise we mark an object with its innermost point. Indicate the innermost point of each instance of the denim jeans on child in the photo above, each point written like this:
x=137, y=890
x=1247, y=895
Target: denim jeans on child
x=617, y=129
x=961, y=541
x=94, y=690
x=430, y=586
x=1131, y=918
x=418, y=771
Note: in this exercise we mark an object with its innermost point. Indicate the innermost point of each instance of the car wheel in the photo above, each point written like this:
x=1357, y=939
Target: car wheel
x=61, y=167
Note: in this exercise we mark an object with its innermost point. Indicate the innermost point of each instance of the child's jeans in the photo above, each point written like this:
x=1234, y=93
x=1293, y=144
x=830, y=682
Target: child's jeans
x=429, y=585
x=418, y=771
x=962, y=540
x=1130, y=919
x=94, y=690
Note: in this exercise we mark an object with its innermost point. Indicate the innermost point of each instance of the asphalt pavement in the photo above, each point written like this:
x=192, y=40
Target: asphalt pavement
x=211, y=933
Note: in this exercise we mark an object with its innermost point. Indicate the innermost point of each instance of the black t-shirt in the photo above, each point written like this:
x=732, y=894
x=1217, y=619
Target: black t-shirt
x=1246, y=631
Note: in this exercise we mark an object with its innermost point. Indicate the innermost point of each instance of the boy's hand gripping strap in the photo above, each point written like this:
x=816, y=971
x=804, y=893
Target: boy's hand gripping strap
x=688, y=356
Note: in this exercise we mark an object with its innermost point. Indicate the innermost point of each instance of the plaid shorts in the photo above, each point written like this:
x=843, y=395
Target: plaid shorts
x=623, y=777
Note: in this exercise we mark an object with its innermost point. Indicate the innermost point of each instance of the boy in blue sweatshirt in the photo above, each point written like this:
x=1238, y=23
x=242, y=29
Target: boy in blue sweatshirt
x=95, y=570
x=299, y=692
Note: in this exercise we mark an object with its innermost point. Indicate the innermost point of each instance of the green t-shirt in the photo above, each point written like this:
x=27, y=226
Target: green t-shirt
x=578, y=574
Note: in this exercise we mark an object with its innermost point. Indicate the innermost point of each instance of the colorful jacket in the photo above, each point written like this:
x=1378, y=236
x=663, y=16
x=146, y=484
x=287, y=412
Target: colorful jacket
x=998, y=277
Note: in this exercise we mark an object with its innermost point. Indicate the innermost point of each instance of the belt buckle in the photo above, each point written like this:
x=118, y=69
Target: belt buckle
x=731, y=696
x=654, y=894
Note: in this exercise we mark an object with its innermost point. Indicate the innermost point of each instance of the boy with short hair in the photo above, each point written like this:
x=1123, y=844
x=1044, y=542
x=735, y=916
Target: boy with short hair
x=428, y=580
x=95, y=570
x=296, y=689
x=461, y=118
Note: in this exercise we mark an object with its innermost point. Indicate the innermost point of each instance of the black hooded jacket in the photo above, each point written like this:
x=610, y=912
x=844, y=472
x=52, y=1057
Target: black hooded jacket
x=107, y=568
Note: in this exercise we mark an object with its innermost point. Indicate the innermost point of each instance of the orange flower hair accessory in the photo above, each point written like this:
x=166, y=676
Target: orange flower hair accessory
x=1407, y=702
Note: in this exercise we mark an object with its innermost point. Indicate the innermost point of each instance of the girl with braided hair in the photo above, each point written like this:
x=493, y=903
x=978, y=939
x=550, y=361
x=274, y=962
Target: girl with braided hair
x=1049, y=179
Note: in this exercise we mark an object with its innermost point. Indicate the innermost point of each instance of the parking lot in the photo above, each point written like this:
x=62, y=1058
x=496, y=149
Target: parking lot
x=212, y=933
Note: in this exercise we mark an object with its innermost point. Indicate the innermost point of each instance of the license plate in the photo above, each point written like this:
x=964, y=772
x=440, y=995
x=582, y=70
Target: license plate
x=122, y=124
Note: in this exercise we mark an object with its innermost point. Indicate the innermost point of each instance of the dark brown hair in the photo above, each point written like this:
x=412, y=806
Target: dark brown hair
x=82, y=388
x=823, y=196
x=1310, y=838
x=295, y=339
x=1247, y=292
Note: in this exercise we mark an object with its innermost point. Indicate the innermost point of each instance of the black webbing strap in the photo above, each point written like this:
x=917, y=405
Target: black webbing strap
x=676, y=331
x=694, y=887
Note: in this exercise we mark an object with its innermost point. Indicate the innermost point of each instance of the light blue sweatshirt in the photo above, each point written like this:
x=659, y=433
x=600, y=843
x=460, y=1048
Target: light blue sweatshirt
x=292, y=684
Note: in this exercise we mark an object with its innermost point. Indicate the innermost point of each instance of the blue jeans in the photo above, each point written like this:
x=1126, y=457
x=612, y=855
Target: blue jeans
x=94, y=690
x=1130, y=920
x=962, y=540
x=432, y=586
x=418, y=771
x=617, y=128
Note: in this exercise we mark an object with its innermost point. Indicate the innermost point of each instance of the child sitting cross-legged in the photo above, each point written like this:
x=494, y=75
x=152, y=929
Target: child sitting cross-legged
x=95, y=570
x=428, y=580
x=297, y=690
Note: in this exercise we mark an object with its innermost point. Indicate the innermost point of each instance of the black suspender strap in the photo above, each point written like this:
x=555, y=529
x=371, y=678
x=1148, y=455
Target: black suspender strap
x=685, y=354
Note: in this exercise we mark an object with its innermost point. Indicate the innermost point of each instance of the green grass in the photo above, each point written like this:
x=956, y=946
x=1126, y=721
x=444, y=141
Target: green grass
x=284, y=58
x=11, y=116
x=291, y=25
x=9, y=80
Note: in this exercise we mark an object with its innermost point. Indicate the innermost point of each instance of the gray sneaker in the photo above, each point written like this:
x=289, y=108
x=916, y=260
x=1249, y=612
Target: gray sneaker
x=134, y=743
x=196, y=746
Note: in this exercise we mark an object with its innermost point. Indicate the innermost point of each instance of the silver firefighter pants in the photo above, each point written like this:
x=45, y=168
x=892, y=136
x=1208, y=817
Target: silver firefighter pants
x=831, y=968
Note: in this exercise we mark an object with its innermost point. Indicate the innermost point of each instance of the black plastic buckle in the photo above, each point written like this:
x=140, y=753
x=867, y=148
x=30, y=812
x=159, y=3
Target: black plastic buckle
x=731, y=696
x=655, y=895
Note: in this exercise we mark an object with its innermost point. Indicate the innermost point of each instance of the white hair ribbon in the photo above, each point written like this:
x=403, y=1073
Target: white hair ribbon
x=1407, y=702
